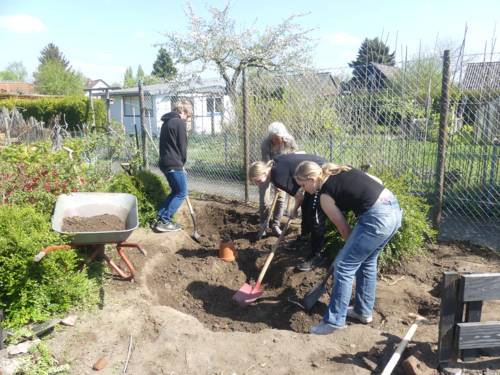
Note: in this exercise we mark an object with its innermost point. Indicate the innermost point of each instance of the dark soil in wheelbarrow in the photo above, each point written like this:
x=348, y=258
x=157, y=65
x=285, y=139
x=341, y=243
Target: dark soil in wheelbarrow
x=99, y=223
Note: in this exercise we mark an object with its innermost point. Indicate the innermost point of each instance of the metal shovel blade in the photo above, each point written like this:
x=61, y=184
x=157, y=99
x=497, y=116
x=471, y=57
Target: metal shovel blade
x=247, y=294
x=313, y=296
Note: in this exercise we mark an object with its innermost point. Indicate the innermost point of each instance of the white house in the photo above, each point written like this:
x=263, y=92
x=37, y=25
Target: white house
x=96, y=88
x=210, y=106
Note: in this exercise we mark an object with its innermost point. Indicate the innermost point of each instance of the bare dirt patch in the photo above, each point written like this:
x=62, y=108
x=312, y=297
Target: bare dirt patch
x=183, y=320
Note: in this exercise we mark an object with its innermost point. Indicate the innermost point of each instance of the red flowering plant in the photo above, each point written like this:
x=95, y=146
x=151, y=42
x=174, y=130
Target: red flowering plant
x=36, y=175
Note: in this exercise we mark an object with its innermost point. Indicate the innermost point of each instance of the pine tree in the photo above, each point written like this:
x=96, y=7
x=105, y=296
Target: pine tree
x=51, y=53
x=164, y=67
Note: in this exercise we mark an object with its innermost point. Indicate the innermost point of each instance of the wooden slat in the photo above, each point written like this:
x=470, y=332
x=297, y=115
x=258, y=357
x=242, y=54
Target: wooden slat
x=480, y=287
x=478, y=335
x=472, y=314
x=447, y=351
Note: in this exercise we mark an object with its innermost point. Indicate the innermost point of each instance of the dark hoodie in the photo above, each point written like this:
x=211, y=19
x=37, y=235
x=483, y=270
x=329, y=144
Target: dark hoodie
x=173, y=142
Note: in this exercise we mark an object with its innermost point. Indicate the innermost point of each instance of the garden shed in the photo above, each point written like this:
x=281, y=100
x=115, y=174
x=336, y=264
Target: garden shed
x=210, y=105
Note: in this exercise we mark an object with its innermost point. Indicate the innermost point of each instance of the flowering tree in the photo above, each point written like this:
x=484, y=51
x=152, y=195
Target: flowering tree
x=216, y=43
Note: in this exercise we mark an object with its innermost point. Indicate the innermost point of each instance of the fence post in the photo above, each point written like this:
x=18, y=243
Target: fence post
x=143, y=126
x=108, y=108
x=443, y=134
x=448, y=318
x=246, y=158
x=1, y=329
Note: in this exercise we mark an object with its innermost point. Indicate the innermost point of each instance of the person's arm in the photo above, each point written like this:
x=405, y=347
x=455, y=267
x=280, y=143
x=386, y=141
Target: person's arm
x=335, y=215
x=299, y=197
x=182, y=140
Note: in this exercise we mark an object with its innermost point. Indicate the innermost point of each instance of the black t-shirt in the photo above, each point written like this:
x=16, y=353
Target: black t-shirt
x=284, y=169
x=353, y=190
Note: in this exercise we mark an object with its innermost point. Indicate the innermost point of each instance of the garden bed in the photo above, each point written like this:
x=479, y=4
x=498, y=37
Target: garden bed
x=182, y=318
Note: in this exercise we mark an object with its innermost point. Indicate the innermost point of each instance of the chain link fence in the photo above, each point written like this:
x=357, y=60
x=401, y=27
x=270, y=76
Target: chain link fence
x=385, y=116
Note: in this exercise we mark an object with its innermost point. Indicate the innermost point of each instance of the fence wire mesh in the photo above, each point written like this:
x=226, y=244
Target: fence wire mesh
x=385, y=116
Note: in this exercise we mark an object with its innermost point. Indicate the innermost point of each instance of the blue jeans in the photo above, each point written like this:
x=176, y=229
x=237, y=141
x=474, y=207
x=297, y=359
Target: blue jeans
x=178, y=192
x=358, y=258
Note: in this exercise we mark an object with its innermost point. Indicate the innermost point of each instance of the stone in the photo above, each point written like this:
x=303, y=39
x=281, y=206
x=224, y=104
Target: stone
x=21, y=348
x=100, y=364
x=70, y=320
x=413, y=366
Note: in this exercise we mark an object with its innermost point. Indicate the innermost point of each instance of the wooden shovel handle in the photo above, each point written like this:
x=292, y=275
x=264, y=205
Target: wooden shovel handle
x=271, y=255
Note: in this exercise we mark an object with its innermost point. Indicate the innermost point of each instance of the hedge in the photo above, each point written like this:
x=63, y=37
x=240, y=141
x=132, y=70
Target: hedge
x=77, y=109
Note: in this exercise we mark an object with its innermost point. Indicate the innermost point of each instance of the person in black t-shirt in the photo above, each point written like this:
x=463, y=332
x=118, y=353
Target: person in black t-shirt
x=279, y=172
x=342, y=188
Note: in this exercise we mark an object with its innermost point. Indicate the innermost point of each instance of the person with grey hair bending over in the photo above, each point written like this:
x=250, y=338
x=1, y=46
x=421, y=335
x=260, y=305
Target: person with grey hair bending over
x=278, y=142
x=341, y=189
x=280, y=172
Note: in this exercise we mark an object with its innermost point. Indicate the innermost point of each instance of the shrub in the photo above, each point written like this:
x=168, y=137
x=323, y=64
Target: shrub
x=149, y=189
x=410, y=238
x=76, y=109
x=31, y=291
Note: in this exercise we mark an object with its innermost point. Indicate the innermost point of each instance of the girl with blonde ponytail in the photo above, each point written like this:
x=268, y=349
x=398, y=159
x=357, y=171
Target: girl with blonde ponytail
x=341, y=189
x=280, y=173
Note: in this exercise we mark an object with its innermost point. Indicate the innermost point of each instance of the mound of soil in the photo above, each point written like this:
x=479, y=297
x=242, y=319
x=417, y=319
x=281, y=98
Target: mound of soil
x=99, y=223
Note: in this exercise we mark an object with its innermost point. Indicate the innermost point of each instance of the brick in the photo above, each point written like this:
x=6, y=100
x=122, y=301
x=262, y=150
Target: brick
x=413, y=366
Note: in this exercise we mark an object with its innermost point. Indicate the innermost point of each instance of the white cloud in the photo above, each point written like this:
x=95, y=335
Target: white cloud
x=22, y=23
x=342, y=39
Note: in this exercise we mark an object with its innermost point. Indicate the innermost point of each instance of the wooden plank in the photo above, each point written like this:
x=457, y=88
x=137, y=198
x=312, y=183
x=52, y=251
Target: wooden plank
x=480, y=287
x=448, y=318
x=472, y=314
x=478, y=335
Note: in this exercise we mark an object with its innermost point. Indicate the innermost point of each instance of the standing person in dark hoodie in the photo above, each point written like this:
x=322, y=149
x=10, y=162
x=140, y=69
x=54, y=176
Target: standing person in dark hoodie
x=173, y=154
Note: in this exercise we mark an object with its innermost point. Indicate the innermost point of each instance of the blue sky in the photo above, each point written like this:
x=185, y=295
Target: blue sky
x=101, y=38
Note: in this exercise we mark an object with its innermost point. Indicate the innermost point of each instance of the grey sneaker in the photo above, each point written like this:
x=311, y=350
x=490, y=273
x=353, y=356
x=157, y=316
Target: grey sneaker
x=360, y=318
x=324, y=329
x=311, y=262
x=167, y=226
x=276, y=230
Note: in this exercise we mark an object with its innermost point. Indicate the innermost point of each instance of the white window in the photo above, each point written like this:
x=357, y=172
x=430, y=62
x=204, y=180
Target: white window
x=214, y=105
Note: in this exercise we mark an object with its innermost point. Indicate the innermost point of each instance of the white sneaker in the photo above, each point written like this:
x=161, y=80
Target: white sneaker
x=360, y=318
x=324, y=329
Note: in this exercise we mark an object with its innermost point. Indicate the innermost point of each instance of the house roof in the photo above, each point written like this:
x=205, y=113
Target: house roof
x=92, y=83
x=174, y=88
x=483, y=75
x=16, y=87
x=390, y=72
x=313, y=83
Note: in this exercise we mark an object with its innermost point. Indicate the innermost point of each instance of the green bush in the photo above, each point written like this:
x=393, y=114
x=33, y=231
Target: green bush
x=31, y=291
x=149, y=189
x=410, y=238
x=76, y=109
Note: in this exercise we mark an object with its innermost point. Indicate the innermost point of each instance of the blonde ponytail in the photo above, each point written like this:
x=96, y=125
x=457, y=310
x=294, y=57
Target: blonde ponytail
x=331, y=169
x=259, y=168
x=310, y=170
